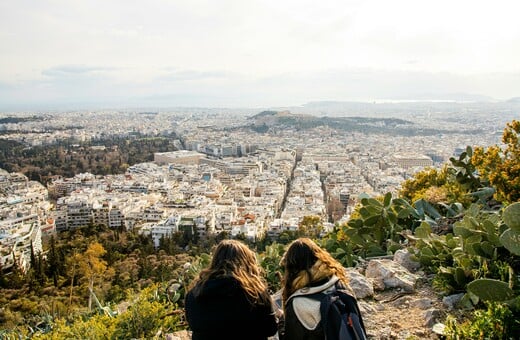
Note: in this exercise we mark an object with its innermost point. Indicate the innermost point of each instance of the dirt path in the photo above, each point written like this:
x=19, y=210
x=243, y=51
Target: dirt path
x=394, y=315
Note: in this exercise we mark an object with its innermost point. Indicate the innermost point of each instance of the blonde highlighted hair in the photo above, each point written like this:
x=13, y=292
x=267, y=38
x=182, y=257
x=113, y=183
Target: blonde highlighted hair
x=232, y=258
x=306, y=263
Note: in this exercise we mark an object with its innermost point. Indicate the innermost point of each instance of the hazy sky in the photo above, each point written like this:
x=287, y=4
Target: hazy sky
x=254, y=53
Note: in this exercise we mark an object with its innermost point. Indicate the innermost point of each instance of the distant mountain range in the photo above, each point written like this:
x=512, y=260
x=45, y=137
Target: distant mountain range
x=395, y=108
x=454, y=96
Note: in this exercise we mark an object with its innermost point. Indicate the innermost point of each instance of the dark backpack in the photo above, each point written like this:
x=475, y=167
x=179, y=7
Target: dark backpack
x=340, y=316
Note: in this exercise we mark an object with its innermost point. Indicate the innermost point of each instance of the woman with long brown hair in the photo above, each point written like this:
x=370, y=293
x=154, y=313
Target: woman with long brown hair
x=229, y=299
x=308, y=271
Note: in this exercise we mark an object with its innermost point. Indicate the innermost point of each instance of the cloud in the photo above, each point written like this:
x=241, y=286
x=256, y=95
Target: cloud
x=187, y=75
x=74, y=70
x=104, y=86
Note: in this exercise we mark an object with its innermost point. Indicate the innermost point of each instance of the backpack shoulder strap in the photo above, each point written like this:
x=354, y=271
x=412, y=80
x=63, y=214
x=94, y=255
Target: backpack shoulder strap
x=332, y=312
x=325, y=306
x=355, y=320
x=341, y=317
x=352, y=307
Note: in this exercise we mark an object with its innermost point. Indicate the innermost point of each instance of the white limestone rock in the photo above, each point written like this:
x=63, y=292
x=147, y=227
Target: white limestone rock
x=360, y=285
x=391, y=274
x=404, y=258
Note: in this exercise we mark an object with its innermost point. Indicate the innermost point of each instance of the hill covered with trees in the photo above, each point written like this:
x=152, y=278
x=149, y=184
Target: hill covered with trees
x=67, y=158
x=279, y=120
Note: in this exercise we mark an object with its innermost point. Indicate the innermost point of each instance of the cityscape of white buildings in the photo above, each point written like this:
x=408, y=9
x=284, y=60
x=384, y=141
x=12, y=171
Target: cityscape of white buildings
x=222, y=179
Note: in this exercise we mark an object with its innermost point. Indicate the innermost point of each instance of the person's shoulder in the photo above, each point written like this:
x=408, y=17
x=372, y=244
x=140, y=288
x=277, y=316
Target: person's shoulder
x=216, y=286
x=323, y=287
x=345, y=288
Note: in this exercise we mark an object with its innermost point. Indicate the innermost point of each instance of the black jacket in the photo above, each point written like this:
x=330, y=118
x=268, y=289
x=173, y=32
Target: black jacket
x=222, y=311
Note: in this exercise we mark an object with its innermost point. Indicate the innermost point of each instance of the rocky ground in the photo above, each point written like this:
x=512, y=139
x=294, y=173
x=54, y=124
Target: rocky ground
x=394, y=315
x=396, y=300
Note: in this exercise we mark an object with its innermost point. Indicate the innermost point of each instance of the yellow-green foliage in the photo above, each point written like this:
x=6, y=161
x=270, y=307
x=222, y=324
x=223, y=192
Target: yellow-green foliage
x=415, y=187
x=495, y=322
x=310, y=226
x=149, y=314
x=435, y=186
x=96, y=327
x=501, y=167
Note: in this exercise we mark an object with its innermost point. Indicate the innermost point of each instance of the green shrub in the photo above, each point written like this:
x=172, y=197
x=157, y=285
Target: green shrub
x=497, y=321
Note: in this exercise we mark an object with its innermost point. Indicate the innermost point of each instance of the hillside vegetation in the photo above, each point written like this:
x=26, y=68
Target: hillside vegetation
x=279, y=120
x=70, y=157
x=462, y=223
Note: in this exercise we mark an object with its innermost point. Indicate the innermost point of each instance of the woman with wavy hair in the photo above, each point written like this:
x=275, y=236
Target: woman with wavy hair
x=308, y=269
x=229, y=299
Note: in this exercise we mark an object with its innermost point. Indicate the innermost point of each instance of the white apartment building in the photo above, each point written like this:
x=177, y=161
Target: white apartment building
x=63, y=186
x=165, y=228
x=16, y=238
x=115, y=218
x=78, y=214
x=409, y=160
x=178, y=157
x=152, y=214
x=100, y=213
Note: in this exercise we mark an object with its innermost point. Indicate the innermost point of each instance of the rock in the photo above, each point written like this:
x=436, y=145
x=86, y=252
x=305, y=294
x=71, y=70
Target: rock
x=377, y=283
x=420, y=333
x=404, y=258
x=179, y=335
x=404, y=334
x=430, y=317
x=361, y=286
x=402, y=302
x=451, y=301
x=366, y=308
x=391, y=274
x=380, y=307
x=422, y=303
x=383, y=333
x=438, y=328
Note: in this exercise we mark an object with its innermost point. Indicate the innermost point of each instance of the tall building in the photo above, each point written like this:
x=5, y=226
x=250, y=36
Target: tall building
x=177, y=157
x=78, y=214
x=409, y=160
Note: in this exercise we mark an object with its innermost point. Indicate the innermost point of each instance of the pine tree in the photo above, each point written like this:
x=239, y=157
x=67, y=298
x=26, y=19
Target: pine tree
x=55, y=262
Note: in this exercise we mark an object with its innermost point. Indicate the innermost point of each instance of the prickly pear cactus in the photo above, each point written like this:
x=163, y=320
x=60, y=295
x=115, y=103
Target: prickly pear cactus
x=511, y=241
x=491, y=290
x=510, y=238
x=511, y=216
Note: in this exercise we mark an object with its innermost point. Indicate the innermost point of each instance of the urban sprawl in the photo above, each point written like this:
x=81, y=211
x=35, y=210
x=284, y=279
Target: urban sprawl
x=222, y=177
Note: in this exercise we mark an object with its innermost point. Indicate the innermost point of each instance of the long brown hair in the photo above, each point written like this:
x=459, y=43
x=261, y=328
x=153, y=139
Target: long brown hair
x=231, y=258
x=305, y=263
